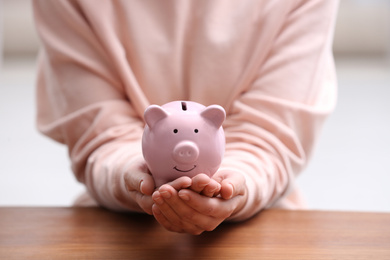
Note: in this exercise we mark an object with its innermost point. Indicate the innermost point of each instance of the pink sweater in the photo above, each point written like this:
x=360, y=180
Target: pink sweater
x=268, y=63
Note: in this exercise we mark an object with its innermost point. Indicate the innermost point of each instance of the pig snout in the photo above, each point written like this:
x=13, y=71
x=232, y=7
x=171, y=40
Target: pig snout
x=185, y=152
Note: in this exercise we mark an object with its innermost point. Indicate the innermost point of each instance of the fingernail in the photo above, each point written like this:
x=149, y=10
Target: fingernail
x=165, y=194
x=184, y=196
x=231, y=195
x=158, y=200
x=141, y=187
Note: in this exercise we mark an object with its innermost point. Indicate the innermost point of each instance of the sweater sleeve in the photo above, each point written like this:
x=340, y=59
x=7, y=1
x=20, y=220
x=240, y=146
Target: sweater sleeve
x=274, y=122
x=82, y=102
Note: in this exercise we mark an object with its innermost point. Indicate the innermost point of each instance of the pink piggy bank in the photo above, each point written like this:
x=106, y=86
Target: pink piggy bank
x=183, y=138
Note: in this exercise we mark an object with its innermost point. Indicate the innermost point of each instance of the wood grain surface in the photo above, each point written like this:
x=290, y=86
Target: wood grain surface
x=95, y=233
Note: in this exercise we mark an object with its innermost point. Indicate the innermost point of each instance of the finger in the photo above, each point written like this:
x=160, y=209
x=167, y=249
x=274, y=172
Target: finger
x=160, y=197
x=232, y=183
x=203, y=184
x=210, y=212
x=199, y=182
x=212, y=189
x=175, y=211
x=180, y=183
x=213, y=207
x=159, y=216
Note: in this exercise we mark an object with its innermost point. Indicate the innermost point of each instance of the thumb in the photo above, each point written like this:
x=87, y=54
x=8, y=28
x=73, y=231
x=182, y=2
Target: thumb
x=138, y=178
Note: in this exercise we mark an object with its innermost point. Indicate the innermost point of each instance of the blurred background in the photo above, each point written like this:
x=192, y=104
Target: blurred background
x=350, y=169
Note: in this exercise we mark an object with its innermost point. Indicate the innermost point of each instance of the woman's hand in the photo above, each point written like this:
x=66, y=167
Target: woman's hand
x=193, y=209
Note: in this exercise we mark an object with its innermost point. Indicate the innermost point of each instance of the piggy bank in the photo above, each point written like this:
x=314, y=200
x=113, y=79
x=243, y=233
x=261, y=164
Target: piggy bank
x=183, y=138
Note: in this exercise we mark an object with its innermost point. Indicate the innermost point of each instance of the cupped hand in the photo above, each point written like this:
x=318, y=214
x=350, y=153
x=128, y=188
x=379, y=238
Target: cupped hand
x=192, y=209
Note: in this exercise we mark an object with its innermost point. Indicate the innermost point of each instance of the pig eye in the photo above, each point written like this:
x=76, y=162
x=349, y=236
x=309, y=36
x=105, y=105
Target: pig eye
x=196, y=131
x=175, y=131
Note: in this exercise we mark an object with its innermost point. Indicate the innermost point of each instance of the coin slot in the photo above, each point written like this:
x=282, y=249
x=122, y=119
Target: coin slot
x=184, y=106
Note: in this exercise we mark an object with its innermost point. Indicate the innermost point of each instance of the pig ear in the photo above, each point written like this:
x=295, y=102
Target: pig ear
x=153, y=114
x=214, y=114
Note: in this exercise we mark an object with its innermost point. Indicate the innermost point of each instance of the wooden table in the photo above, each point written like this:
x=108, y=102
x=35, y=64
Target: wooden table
x=94, y=233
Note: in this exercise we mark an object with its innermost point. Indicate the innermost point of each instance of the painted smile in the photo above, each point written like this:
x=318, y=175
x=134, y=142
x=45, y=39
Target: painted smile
x=179, y=170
